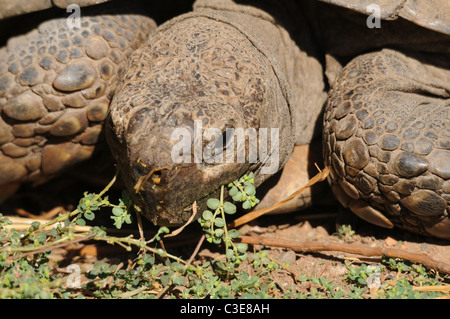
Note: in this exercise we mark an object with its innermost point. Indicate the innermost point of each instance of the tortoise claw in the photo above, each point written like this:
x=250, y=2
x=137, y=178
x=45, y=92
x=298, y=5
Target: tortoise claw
x=370, y=214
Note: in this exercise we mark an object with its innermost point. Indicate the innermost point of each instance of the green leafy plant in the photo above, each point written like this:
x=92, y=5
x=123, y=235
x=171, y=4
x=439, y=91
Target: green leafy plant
x=243, y=190
x=213, y=222
x=345, y=232
x=399, y=286
x=27, y=272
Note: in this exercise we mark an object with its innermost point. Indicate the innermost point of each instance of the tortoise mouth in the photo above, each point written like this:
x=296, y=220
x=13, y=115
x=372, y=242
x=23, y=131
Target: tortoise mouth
x=166, y=194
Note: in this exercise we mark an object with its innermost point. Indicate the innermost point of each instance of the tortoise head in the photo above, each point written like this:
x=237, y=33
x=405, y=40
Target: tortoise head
x=188, y=115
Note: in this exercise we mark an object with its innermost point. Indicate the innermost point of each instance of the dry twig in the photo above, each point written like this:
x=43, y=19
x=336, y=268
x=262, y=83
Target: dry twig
x=445, y=288
x=179, y=230
x=47, y=215
x=255, y=214
x=195, y=252
x=359, y=249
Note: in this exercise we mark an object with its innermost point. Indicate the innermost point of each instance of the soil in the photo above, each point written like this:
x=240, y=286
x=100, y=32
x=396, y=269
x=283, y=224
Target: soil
x=308, y=226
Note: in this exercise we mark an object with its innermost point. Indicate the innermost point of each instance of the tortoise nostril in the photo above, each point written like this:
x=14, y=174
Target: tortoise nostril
x=156, y=177
x=139, y=169
x=147, y=176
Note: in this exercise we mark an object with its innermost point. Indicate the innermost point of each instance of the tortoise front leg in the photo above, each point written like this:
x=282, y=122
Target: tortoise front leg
x=387, y=140
x=56, y=83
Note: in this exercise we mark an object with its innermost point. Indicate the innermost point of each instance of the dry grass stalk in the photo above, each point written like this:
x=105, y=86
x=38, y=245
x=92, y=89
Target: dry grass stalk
x=255, y=214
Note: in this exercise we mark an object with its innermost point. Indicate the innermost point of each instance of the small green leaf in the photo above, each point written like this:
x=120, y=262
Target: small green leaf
x=233, y=233
x=237, y=197
x=213, y=203
x=176, y=266
x=250, y=190
x=35, y=225
x=149, y=260
x=54, y=232
x=81, y=222
x=117, y=211
x=165, y=280
x=118, y=224
x=233, y=191
x=241, y=247
x=229, y=208
x=207, y=215
x=178, y=280
x=42, y=237
x=80, y=208
x=243, y=256
x=219, y=222
x=219, y=232
x=230, y=253
x=247, y=204
x=163, y=230
x=161, y=252
x=89, y=215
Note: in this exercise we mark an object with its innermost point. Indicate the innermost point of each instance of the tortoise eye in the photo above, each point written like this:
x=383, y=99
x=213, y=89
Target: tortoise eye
x=223, y=143
x=215, y=146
